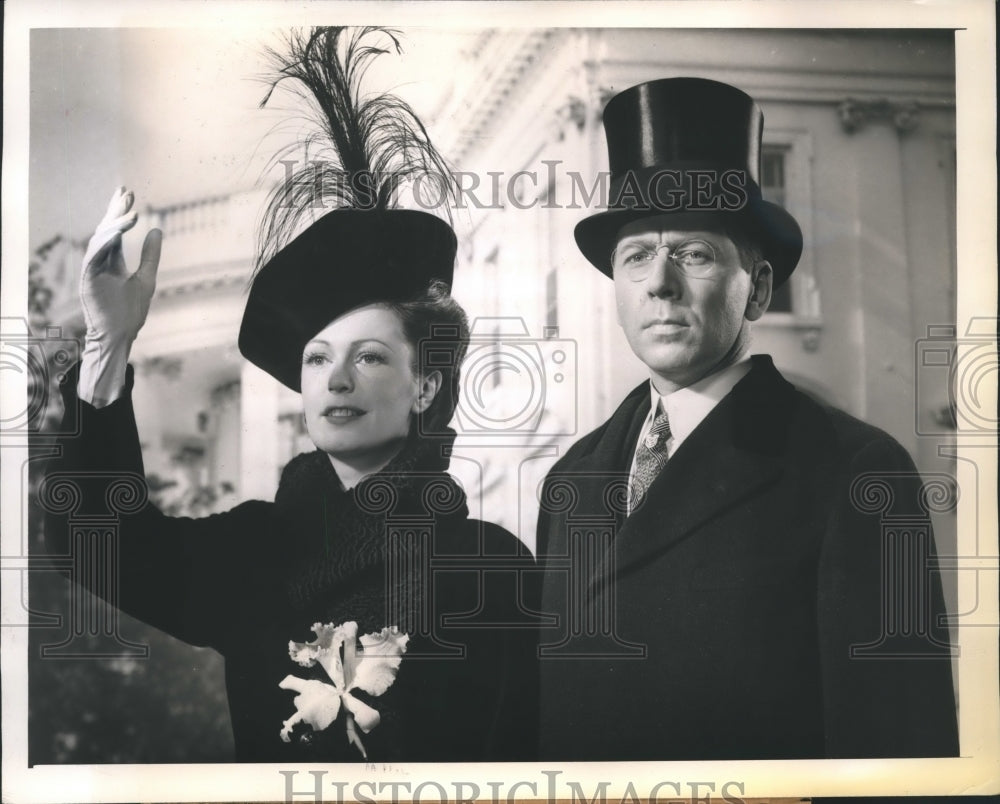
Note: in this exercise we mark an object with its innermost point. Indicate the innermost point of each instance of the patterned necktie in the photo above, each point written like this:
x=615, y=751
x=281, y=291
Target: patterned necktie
x=650, y=457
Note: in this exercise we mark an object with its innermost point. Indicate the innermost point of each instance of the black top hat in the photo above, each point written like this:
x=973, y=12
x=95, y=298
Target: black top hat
x=346, y=259
x=688, y=147
x=365, y=250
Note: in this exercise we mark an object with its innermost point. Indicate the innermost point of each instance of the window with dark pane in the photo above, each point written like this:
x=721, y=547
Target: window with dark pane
x=551, y=300
x=552, y=277
x=774, y=189
x=491, y=278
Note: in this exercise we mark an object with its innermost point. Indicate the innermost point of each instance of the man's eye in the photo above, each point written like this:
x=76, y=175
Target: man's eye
x=694, y=256
x=638, y=257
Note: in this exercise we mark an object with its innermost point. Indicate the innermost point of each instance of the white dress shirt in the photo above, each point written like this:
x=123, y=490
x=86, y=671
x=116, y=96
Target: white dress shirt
x=687, y=407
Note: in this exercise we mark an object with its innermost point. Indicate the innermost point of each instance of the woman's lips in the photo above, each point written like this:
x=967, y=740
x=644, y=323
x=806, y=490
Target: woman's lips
x=342, y=413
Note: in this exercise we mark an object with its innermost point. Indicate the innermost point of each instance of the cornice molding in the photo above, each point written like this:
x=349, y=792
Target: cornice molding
x=504, y=63
x=201, y=278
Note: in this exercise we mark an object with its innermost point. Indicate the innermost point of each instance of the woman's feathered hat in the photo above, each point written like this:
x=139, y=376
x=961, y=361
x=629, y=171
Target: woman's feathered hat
x=690, y=148
x=365, y=250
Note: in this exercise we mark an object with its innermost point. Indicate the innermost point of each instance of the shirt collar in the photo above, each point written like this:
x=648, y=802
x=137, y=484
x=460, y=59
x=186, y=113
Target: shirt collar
x=687, y=407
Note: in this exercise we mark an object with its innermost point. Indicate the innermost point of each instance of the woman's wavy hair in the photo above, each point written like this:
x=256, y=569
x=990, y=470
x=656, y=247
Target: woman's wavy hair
x=437, y=329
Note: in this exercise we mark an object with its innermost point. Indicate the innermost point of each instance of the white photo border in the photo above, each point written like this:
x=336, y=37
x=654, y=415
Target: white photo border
x=976, y=772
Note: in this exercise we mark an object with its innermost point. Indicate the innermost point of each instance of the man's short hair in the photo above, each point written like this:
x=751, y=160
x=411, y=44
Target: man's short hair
x=747, y=247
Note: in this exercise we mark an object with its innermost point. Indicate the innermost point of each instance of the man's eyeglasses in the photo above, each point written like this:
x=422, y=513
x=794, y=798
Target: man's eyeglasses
x=693, y=258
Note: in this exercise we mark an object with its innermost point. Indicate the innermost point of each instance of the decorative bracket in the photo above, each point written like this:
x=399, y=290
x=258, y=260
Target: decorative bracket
x=855, y=114
x=572, y=112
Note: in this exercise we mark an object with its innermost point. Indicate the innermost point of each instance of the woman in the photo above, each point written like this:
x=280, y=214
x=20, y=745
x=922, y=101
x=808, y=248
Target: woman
x=353, y=612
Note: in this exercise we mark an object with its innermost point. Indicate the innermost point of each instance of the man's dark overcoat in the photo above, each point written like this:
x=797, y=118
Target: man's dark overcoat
x=772, y=597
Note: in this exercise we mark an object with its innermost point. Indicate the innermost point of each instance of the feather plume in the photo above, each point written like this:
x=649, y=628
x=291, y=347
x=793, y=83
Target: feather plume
x=363, y=148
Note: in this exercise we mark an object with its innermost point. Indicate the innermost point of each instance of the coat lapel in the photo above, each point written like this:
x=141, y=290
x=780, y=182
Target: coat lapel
x=582, y=506
x=596, y=474
x=735, y=452
x=580, y=493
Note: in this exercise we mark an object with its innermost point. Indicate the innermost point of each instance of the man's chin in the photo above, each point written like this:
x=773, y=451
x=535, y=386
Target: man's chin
x=666, y=359
x=675, y=371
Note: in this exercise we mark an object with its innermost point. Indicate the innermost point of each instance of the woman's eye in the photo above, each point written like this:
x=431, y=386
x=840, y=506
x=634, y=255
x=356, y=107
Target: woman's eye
x=370, y=358
x=314, y=359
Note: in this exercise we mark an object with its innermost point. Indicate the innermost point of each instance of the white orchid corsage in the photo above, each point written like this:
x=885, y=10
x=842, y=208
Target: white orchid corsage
x=371, y=668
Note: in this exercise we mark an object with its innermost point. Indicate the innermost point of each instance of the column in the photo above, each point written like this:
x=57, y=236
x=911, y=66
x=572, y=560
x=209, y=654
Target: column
x=259, y=434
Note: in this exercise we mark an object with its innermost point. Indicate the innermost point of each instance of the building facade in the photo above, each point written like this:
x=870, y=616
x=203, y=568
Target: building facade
x=859, y=145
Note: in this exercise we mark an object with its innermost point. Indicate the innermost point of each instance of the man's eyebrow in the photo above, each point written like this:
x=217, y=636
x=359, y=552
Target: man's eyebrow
x=639, y=238
x=680, y=237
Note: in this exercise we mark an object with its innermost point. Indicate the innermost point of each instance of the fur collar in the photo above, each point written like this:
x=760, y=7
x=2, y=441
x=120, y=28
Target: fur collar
x=337, y=541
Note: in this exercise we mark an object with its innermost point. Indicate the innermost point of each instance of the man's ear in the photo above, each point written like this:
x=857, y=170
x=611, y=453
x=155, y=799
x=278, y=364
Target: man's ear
x=618, y=307
x=762, y=279
x=430, y=384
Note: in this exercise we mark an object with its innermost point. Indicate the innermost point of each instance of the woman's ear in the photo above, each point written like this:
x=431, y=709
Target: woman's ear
x=761, y=279
x=430, y=384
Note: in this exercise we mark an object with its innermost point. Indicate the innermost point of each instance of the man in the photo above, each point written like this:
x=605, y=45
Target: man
x=713, y=551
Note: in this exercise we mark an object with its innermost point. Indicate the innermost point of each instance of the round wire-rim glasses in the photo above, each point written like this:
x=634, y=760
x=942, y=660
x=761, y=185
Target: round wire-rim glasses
x=693, y=258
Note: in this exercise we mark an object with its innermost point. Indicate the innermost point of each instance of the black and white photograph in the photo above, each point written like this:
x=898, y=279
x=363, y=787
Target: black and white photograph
x=499, y=401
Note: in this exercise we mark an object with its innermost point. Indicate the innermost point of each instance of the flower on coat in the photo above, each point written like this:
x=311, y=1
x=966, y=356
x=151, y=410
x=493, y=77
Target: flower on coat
x=372, y=669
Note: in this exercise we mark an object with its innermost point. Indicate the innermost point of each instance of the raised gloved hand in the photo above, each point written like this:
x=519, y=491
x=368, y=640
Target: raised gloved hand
x=115, y=302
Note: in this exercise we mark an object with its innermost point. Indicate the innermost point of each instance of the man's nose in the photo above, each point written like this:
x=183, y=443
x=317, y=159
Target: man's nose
x=664, y=280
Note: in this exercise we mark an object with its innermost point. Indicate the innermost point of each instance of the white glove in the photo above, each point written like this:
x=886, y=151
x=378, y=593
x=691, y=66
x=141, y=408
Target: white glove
x=115, y=303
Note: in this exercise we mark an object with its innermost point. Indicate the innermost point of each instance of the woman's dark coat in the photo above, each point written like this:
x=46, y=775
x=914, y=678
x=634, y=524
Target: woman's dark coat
x=249, y=580
x=774, y=596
